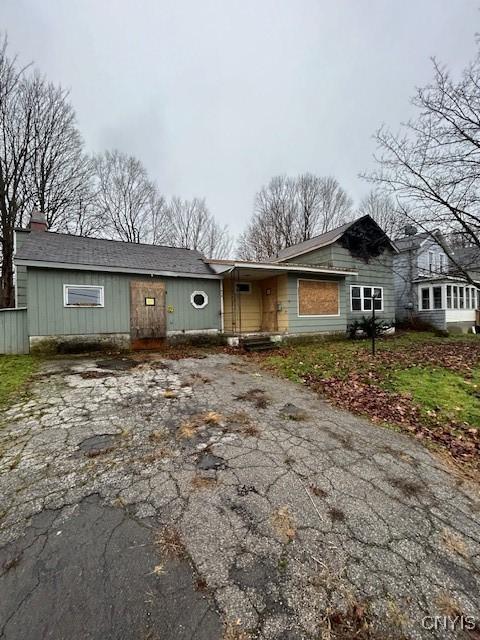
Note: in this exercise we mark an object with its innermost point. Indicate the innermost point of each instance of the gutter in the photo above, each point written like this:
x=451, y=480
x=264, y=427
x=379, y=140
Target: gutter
x=86, y=267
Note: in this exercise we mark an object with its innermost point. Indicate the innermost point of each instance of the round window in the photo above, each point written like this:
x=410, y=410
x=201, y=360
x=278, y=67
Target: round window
x=199, y=299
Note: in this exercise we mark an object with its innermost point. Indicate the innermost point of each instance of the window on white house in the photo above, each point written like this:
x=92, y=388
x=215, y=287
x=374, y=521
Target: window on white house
x=362, y=298
x=437, y=297
x=425, y=298
x=467, y=298
x=461, y=297
x=441, y=262
x=455, y=298
x=82, y=295
x=243, y=287
x=449, y=296
x=431, y=261
x=199, y=299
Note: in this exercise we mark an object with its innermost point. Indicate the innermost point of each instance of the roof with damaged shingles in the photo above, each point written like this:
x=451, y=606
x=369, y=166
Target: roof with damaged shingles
x=61, y=248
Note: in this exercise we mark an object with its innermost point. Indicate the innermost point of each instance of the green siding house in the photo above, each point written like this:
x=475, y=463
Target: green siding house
x=75, y=293
x=363, y=248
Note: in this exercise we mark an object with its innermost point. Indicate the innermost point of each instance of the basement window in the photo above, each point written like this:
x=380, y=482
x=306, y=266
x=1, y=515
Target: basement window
x=84, y=295
x=199, y=299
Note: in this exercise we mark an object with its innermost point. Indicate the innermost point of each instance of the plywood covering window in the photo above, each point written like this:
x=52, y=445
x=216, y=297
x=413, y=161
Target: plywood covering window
x=318, y=298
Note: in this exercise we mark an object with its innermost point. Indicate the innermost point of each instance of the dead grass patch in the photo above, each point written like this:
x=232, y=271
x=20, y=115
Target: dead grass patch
x=187, y=430
x=158, y=435
x=212, y=417
x=454, y=543
x=170, y=543
x=200, y=482
x=256, y=396
x=234, y=631
x=169, y=393
x=447, y=606
x=284, y=524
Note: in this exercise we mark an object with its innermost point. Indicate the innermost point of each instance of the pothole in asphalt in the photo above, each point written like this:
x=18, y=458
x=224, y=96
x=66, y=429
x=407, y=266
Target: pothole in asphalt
x=208, y=461
x=293, y=412
x=117, y=364
x=98, y=445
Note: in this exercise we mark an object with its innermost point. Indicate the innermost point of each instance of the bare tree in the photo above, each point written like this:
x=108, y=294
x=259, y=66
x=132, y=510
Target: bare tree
x=433, y=164
x=193, y=227
x=125, y=199
x=290, y=210
x=42, y=162
x=59, y=171
x=383, y=209
x=16, y=127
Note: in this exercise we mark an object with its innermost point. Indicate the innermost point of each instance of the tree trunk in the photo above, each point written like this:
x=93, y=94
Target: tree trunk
x=7, y=291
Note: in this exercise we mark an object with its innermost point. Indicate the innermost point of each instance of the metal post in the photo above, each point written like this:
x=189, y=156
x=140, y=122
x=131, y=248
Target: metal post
x=373, y=326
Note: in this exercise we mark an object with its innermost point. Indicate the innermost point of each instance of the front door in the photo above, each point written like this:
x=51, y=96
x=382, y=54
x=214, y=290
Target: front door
x=269, y=305
x=148, y=326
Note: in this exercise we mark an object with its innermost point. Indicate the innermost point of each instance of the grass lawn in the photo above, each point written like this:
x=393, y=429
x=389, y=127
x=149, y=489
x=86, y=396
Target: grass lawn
x=418, y=382
x=14, y=374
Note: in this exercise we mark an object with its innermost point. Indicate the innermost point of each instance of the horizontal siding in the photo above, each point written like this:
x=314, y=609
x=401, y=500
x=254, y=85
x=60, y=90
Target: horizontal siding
x=13, y=331
x=378, y=272
x=48, y=316
x=326, y=324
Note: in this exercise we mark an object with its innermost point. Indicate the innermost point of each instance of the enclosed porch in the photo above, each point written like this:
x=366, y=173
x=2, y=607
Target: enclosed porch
x=273, y=299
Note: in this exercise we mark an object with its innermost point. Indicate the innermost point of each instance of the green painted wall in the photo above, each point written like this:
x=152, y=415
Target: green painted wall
x=48, y=316
x=327, y=324
x=13, y=331
x=21, y=286
x=378, y=272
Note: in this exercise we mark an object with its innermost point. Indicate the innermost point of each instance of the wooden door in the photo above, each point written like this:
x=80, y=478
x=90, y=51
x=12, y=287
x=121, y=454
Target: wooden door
x=269, y=305
x=148, y=325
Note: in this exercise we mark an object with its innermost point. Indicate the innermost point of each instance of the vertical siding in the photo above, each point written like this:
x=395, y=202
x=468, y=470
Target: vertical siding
x=13, y=331
x=21, y=286
x=47, y=314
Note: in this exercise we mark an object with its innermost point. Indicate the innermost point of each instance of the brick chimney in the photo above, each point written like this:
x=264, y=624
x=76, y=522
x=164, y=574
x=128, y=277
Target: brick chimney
x=38, y=221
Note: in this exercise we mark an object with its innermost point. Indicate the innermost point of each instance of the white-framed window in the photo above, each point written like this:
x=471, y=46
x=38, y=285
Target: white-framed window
x=437, y=297
x=425, y=298
x=431, y=261
x=83, y=295
x=199, y=299
x=243, y=287
x=442, y=261
x=363, y=298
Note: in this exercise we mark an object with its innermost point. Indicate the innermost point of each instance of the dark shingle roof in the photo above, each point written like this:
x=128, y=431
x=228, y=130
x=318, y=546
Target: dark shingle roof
x=317, y=242
x=60, y=248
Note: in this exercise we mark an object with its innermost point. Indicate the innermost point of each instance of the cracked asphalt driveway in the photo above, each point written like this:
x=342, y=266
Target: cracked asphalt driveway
x=200, y=498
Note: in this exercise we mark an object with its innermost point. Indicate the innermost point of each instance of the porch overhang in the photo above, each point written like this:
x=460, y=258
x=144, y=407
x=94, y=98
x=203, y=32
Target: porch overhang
x=261, y=270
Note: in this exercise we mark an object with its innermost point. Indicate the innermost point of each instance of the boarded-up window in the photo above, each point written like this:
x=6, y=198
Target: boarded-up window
x=316, y=298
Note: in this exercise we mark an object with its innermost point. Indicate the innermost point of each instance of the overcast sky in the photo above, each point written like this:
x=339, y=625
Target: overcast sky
x=215, y=97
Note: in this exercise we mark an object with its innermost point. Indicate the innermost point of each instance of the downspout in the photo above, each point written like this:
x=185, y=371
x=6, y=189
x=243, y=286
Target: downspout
x=222, y=313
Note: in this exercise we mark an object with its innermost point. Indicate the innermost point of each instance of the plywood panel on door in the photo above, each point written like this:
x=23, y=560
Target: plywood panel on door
x=148, y=325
